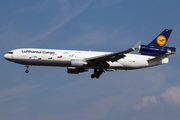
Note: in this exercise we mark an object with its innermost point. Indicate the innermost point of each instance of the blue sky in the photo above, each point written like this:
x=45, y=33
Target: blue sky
x=101, y=25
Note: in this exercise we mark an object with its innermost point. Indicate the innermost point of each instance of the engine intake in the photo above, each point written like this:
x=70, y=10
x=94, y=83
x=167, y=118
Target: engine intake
x=154, y=51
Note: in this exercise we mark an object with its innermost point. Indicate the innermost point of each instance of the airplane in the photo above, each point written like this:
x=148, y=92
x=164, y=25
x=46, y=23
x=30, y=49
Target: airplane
x=76, y=61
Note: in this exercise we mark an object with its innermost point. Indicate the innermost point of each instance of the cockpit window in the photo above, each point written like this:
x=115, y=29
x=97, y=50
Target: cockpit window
x=10, y=52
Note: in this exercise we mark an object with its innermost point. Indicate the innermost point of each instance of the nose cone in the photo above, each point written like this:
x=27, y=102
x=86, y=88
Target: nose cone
x=6, y=56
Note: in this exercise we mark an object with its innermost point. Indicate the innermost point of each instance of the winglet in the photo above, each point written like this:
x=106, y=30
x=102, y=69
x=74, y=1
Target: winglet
x=136, y=46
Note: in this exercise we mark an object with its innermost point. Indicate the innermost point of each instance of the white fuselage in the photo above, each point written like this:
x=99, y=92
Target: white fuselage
x=63, y=58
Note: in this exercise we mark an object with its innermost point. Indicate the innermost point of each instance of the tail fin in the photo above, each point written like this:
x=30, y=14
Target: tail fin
x=161, y=39
x=157, y=46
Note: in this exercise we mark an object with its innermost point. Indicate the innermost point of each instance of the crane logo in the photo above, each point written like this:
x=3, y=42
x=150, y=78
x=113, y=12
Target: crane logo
x=161, y=40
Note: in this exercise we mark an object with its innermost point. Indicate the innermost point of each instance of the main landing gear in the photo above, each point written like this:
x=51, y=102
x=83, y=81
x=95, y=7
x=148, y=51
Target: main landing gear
x=97, y=73
x=27, y=67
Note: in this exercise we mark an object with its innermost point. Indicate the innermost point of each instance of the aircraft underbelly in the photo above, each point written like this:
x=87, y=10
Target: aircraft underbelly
x=43, y=62
x=131, y=64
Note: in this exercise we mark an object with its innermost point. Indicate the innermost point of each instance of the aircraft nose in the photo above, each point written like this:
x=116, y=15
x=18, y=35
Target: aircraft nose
x=6, y=56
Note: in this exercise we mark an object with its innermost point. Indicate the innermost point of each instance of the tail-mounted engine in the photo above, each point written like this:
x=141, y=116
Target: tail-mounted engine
x=154, y=51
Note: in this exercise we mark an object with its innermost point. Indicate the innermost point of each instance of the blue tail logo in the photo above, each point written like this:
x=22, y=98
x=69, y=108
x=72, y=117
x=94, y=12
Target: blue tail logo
x=161, y=40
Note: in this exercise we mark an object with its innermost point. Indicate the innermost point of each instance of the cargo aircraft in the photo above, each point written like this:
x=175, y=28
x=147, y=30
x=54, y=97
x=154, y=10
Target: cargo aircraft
x=76, y=61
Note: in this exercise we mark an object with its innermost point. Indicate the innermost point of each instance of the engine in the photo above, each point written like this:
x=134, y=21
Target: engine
x=78, y=63
x=154, y=51
x=75, y=70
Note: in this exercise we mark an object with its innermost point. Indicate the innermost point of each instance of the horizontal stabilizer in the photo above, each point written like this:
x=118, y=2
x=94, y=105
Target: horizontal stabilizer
x=159, y=58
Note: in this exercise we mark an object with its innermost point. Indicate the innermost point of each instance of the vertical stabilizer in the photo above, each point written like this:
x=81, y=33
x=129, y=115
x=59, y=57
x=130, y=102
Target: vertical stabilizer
x=161, y=39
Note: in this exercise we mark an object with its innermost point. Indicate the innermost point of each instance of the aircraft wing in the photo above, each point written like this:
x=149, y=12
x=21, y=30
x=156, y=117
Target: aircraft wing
x=113, y=56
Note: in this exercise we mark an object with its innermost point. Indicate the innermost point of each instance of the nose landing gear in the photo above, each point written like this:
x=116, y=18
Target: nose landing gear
x=27, y=67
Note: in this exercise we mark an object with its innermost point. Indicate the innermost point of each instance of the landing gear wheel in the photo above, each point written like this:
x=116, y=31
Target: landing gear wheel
x=97, y=73
x=97, y=76
x=92, y=76
x=26, y=71
x=27, y=67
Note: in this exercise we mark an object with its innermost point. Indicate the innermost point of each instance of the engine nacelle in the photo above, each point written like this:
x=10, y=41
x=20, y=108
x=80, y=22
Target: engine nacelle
x=74, y=70
x=154, y=51
x=78, y=63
